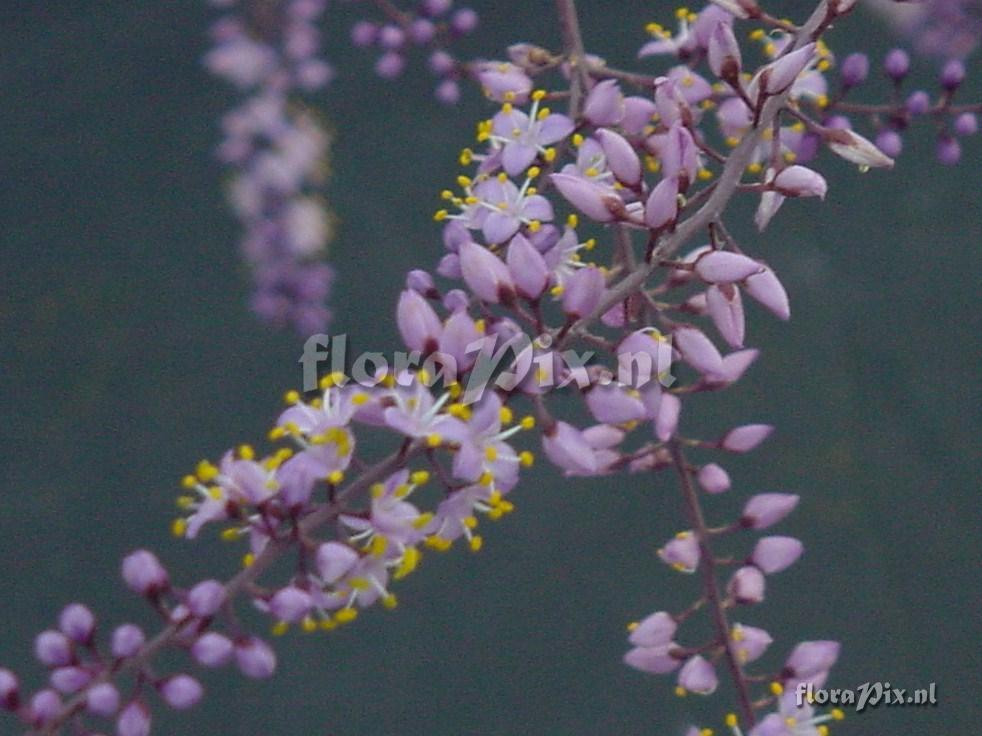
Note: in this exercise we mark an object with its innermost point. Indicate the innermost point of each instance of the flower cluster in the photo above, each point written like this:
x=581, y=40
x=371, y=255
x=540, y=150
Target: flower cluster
x=432, y=25
x=276, y=152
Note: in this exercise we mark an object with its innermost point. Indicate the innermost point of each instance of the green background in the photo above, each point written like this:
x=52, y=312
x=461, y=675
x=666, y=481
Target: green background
x=128, y=353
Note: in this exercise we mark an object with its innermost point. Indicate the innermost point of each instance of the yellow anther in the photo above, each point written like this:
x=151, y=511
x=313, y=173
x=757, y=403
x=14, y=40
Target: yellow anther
x=206, y=471
x=490, y=453
x=335, y=477
x=506, y=415
x=246, y=452
x=837, y=714
x=476, y=543
x=707, y=104
x=410, y=559
x=327, y=624
x=543, y=113
x=538, y=94
x=466, y=157
x=461, y=411
x=390, y=601
x=526, y=458
x=770, y=49
x=377, y=490
x=790, y=157
x=420, y=477
x=346, y=615
x=189, y=481
x=359, y=399
x=533, y=172
x=633, y=625
x=557, y=290
x=682, y=13
x=464, y=181
x=535, y=226
x=184, y=502
x=248, y=559
x=731, y=720
x=509, y=95
x=231, y=534
x=423, y=520
x=440, y=215
x=822, y=730
x=757, y=34
x=755, y=168
x=528, y=422
x=654, y=28
x=502, y=177
x=308, y=625
x=279, y=628
x=481, y=326
x=216, y=493
x=706, y=732
x=549, y=155
x=470, y=199
x=485, y=479
x=688, y=80
x=823, y=66
x=681, y=691
x=705, y=174
x=378, y=545
x=776, y=688
x=434, y=440
x=402, y=490
x=507, y=108
x=179, y=527
x=822, y=101
x=652, y=164
x=455, y=390
x=446, y=194
x=572, y=220
x=591, y=171
x=577, y=140
x=438, y=543
x=291, y=397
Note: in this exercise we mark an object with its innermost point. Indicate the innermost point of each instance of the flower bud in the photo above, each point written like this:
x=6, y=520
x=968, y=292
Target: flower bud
x=290, y=604
x=583, y=292
x=918, y=102
x=44, y=707
x=698, y=676
x=421, y=281
x=527, y=267
x=134, y=720
x=255, y=658
x=726, y=310
x=713, y=478
x=70, y=679
x=854, y=70
x=667, y=418
x=781, y=73
x=853, y=147
x=502, y=81
x=662, y=208
x=205, y=598
x=655, y=630
x=77, y=623
x=53, y=649
x=948, y=151
x=334, y=561
x=767, y=289
x=127, y=640
x=418, y=324
x=767, y=509
x=566, y=447
x=747, y=585
x=966, y=124
x=774, y=554
x=681, y=553
x=9, y=690
x=736, y=364
x=800, y=181
x=698, y=351
x=952, y=75
x=486, y=274
x=889, y=142
x=749, y=642
x=144, y=574
x=723, y=267
x=102, y=699
x=585, y=195
x=181, y=692
x=604, y=105
x=746, y=437
x=622, y=160
x=896, y=64
x=212, y=649
x=809, y=658
x=653, y=660
x=724, y=53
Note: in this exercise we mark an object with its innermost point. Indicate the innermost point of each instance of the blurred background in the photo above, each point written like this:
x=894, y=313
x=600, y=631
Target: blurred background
x=128, y=353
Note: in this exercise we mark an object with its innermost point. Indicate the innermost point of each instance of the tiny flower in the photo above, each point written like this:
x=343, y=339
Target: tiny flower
x=566, y=447
x=723, y=267
x=486, y=274
x=736, y=364
x=102, y=700
x=212, y=649
x=637, y=114
x=698, y=350
x=504, y=82
x=523, y=137
x=767, y=289
x=528, y=268
x=713, y=478
x=896, y=64
x=698, y=676
x=747, y=585
x=334, y=561
x=53, y=649
x=948, y=151
x=9, y=690
x=724, y=53
x=655, y=630
x=614, y=405
x=70, y=679
x=800, y=181
x=779, y=75
x=890, y=142
x=774, y=554
x=918, y=103
x=966, y=124
x=134, y=720
x=418, y=324
x=127, y=640
x=680, y=156
x=255, y=658
x=421, y=281
x=205, y=598
x=44, y=707
x=144, y=574
x=77, y=623
x=854, y=69
x=746, y=437
x=181, y=691
x=767, y=509
x=682, y=553
x=594, y=200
